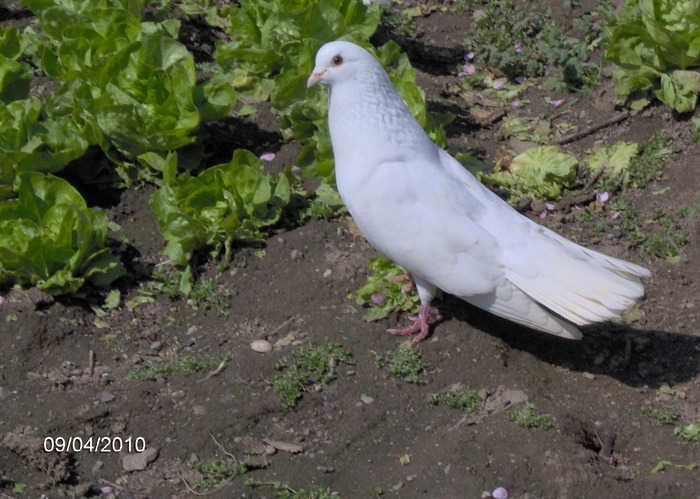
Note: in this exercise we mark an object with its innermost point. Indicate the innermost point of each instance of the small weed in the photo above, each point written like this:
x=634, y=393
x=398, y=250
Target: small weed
x=405, y=363
x=463, y=398
x=660, y=417
x=203, y=293
x=286, y=492
x=688, y=432
x=517, y=41
x=308, y=365
x=665, y=389
x=648, y=165
x=217, y=471
x=662, y=465
x=526, y=417
x=181, y=367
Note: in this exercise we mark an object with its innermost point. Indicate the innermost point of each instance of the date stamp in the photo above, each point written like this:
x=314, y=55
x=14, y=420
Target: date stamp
x=94, y=444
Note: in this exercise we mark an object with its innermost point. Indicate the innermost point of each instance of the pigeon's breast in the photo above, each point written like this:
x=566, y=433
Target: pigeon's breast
x=370, y=123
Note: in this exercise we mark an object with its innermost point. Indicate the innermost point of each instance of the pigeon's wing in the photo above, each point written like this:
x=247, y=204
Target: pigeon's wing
x=581, y=285
x=414, y=213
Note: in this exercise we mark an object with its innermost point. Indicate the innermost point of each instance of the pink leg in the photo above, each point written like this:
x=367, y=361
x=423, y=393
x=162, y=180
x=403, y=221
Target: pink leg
x=420, y=323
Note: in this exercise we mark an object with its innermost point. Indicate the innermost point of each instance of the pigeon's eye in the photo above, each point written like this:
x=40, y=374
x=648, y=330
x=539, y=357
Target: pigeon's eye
x=337, y=60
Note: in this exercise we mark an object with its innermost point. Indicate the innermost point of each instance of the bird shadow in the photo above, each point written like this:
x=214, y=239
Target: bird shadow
x=633, y=356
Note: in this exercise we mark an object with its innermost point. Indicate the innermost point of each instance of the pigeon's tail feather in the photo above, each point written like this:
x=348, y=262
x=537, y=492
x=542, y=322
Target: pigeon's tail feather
x=511, y=303
x=584, y=286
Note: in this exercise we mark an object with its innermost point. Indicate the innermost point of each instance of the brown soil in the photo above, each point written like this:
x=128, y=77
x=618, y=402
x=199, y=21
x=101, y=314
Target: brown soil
x=63, y=369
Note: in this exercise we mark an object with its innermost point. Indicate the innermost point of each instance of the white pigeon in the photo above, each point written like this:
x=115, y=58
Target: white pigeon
x=422, y=209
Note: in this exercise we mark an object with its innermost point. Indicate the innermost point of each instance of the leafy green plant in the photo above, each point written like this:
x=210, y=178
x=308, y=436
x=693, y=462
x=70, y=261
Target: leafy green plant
x=308, y=365
x=14, y=78
x=660, y=416
x=655, y=45
x=49, y=238
x=217, y=472
x=223, y=204
x=387, y=290
x=540, y=172
x=405, y=363
x=178, y=367
x=527, y=417
x=459, y=397
x=30, y=144
x=129, y=85
x=688, y=432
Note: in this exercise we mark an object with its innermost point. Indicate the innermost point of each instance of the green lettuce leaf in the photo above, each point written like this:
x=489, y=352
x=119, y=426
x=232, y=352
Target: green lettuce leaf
x=49, y=238
x=656, y=46
x=223, y=204
x=540, y=173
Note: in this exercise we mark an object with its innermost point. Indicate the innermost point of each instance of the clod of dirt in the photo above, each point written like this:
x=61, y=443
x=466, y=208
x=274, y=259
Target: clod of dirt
x=25, y=300
x=138, y=462
x=256, y=447
x=284, y=446
x=31, y=450
x=499, y=401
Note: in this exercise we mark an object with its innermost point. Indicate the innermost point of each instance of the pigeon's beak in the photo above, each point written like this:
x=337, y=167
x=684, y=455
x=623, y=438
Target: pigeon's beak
x=315, y=77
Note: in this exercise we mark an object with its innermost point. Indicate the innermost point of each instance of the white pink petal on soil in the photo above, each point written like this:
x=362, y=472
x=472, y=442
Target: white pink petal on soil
x=500, y=493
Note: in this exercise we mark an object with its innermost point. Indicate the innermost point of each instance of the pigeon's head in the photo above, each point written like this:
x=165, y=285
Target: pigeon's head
x=338, y=61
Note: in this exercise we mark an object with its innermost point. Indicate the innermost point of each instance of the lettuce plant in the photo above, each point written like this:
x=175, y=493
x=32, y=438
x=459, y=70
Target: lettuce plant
x=14, y=79
x=225, y=203
x=656, y=47
x=49, y=238
x=387, y=290
x=129, y=85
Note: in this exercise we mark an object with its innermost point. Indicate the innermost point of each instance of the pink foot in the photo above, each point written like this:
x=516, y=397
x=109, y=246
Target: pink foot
x=420, y=323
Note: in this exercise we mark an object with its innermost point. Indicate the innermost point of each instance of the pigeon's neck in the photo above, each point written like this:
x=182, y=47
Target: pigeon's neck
x=368, y=120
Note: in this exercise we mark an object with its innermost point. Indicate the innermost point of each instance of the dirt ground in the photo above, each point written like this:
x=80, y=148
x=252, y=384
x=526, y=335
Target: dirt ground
x=63, y=368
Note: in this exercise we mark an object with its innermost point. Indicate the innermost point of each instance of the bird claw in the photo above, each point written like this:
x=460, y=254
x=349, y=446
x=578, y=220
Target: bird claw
x=421, y=324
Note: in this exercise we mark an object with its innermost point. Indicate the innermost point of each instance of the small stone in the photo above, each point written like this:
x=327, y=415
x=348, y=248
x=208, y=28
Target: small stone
x=199, y=410
x=83, y=489
x=296, y=255
x=156, y=346
x=327, y=273
x=589, y=376
x=261, y=346
x=118, y=427
x=4, y=392
x=106, y=397
x=97, y=467
x=366, y=399
x=137, y=462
